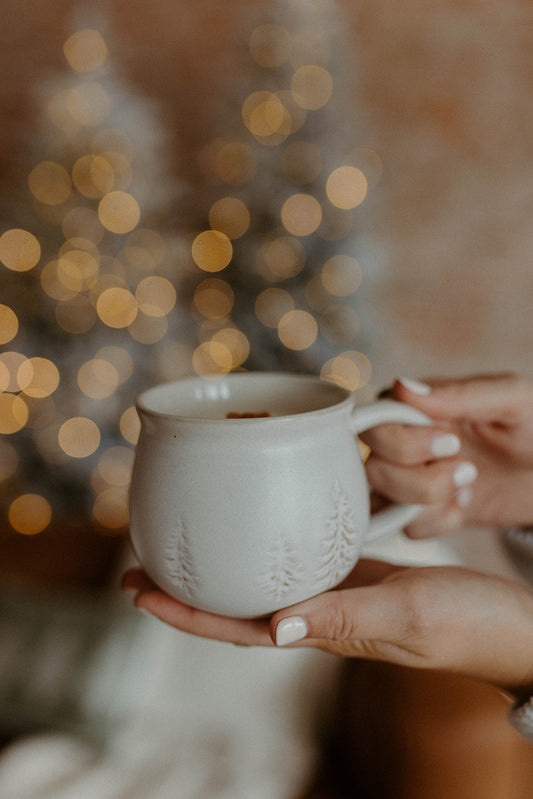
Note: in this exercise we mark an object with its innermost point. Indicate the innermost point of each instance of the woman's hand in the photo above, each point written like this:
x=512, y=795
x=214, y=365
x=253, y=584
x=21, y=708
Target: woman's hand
x=443, y=618
x=475, y=466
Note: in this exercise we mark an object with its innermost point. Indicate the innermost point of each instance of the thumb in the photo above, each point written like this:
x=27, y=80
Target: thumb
x=348, y=616
x=503, y=398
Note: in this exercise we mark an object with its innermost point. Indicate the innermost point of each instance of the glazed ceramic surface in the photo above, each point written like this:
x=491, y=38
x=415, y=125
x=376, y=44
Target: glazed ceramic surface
x=243, y=516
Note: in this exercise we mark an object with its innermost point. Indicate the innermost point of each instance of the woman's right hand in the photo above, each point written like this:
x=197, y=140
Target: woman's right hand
x=484, y=474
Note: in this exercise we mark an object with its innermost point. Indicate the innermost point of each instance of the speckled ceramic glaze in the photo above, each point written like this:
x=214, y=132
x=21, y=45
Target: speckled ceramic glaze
x=243, y=516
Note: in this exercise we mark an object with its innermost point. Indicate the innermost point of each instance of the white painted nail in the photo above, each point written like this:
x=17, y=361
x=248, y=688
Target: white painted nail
x=415, y=386
x=445, y=445
x=290, y=630
x=464, y=497
x=465, y=474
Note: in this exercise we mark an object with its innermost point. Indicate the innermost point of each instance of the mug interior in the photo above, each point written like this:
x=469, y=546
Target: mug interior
x=261, y=393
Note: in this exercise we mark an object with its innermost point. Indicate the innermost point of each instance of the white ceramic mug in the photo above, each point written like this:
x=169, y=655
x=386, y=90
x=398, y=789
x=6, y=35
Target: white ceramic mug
x=243, y=516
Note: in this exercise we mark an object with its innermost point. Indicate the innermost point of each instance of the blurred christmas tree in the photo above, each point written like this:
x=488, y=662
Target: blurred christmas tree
x=87, y=291
x=285, y=177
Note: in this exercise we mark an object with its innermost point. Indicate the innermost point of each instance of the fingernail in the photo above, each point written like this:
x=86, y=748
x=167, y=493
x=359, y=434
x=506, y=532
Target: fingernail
x=445, y=445
x=415, y=386
x=290, y=630
x=465, y=474
x=464, y=497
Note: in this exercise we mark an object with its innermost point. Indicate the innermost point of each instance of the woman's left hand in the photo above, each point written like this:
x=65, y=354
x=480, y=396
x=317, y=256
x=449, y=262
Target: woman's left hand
x=444, y=618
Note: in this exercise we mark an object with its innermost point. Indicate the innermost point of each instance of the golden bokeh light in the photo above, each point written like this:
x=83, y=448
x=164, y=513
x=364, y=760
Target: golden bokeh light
x=271, y=305
x=19, y=250
x=93, y=176
x=120, y=358
x=79, y=437
x=341, y=275
x=38, y=377
x=115, y=465
x=231, y=162
x=350, y=369
x=130, y=425
x=236, y=342
x=88, y=105
x=30, y=514
x=41, y=411
x=312, y=86
x=77, y=269
x=156, y=296
x=339, y=324
x=119, y=212
x=212, y=251
x=346, y=187
x=230, y=216
x=284, y=256
x=116, y=307
x=267, y=118
x=110, y=508
x=97, y=378
x=76, y=315
x=13, y=413
x=297, y=330
x=301, y=214
x=85, y=50
x=9, y=460
x=301, y=161
x=211, y=359
x=10, y=363
x=214, y=298
x=50, y=183
x=9, y=324
x=148, y=329
x=121, y=169
x=270, y=45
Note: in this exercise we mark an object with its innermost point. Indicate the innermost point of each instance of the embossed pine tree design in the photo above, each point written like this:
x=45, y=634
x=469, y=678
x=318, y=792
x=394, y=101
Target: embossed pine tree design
x=283, y=570
x=180, y=567
x=339, y=548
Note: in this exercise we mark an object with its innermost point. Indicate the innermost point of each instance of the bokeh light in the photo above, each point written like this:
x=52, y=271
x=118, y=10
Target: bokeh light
x=30, y=514
x=301, y=214
x=350, y=369
x=213, y=298
x=297, y=330
x=211, y=359
x=212, y=251
x=79, y=437
x=19, y=250
x=130, y=425
x=38, y=377
x=9, y=324
x=10, y=363
x=341, y=275
x=50, y=183
x=148, y=329
x=346, y=187
x=85, y=50
x=76, y=315
x=271, y=305
x=230, y=216
x=156, y=296
x=13, y=413
x=119, y=212
x=93, y=176
x=9, y=460
x=97, y=378
x=116, y=307
x=339, y=324
x=284, y=257
x=312, y=86
x=236, y=342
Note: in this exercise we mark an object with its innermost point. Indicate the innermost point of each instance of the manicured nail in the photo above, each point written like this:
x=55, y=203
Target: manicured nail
x=446, y=445
x=415, y=386
x=465, y=474
x=464, y=497
x=290, y=630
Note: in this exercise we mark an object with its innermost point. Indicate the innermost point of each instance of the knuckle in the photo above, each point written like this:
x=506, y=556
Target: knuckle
x=340, y=622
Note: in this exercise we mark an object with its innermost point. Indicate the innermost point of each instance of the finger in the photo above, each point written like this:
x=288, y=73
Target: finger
x=429, y=484
x=346, y=621
x=410, y=445
x=503, y=397
x=243, y=632
x=436, y=521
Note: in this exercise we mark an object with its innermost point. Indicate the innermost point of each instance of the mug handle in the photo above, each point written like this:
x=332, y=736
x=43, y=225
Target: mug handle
x=388, y=412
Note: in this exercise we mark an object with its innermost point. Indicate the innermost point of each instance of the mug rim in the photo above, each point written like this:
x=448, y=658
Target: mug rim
x=345, y=398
